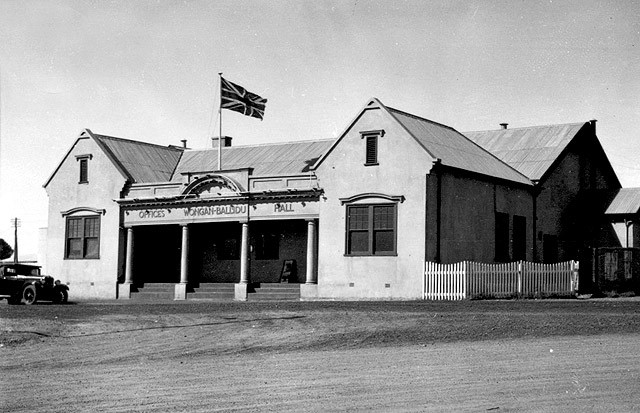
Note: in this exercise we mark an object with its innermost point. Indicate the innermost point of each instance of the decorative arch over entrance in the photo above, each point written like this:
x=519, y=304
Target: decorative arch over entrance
x=213, y=185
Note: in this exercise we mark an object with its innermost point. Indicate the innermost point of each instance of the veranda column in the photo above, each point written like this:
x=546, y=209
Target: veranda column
x=124, y=291
x=244, y=254
x=309, y=290
x=311, y=252
x=242, y=288
x=181, y=289
x=184, y=259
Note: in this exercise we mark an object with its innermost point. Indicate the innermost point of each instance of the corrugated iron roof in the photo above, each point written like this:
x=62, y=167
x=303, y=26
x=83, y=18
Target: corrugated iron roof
x=530, y=150
x=626, y=201
x=144, y=162
x=454, y=149
x=271, y=159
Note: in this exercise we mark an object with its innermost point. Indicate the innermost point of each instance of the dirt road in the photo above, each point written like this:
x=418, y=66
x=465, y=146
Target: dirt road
x=469, y=356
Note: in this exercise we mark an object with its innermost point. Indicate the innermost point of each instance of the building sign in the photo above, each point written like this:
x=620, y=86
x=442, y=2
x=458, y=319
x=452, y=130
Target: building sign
x=186, y=214
x=284, y=210
x=231, y=212
x=215, y=210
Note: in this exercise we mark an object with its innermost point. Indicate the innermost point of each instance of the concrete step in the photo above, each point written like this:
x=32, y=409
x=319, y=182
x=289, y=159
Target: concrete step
x=275, y=292
x=214, y=295
x=154, y=291
x=215, y=287
x=273, y=297
x=151, y=295
x=157, y=287
x=212, y=291
x=277, y=286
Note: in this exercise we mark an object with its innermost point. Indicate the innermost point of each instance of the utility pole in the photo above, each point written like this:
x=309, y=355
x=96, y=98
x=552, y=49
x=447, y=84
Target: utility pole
x=16, y=223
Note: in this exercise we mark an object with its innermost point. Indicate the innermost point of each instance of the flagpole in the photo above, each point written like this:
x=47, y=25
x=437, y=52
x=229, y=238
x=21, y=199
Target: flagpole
x=220, y=117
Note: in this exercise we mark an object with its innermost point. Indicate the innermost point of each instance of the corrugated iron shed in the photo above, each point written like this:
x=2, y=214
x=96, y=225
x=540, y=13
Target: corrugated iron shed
x=626, y=202
x=272, y=159
x=456, y=150
x=144, y=162
x=530, y=150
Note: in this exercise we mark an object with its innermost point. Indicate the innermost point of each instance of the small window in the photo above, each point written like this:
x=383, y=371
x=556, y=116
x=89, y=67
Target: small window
x=84, y=172
x=371, y=146
x=83, y=238
x=372, y=150
x=519, y=238
x=502, y=237
x=371, y=229
x=83, y=163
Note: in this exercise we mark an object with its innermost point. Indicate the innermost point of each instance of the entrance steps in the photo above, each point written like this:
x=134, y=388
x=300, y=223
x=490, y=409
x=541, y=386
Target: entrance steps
x=218, y=291
x=212, y=291
x=154, y=291
x=274, y=292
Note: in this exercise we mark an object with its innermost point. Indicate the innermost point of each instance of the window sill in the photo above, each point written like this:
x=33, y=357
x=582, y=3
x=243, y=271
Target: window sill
x=390, y=254
x=371, y=164
x=81, y=258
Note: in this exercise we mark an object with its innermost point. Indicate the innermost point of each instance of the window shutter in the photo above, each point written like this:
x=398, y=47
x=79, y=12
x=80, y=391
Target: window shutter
x=372, y=150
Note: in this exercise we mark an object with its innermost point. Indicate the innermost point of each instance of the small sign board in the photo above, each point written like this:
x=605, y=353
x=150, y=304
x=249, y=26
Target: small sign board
x=288, y=271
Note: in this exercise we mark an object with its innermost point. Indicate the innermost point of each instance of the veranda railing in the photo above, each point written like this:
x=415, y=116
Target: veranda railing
x=469, y=279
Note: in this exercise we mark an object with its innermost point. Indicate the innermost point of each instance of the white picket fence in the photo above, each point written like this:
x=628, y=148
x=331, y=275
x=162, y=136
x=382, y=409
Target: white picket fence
x=469, y=279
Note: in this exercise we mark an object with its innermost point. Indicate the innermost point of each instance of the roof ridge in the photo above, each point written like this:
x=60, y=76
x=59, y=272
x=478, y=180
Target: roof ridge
x=172, y=147
x=421, y=118
x=266, y=144
x=472, y=142
x=526, y=127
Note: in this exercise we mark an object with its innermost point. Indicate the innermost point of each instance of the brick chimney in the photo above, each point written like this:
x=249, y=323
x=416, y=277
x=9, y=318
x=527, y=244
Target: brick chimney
x=226, y=141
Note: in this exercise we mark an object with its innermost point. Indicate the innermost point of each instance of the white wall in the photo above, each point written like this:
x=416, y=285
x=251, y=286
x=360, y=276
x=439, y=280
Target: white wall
x=87, y=278
x=403, y=165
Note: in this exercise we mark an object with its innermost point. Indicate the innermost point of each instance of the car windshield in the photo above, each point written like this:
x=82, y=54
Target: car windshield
x=20, y=270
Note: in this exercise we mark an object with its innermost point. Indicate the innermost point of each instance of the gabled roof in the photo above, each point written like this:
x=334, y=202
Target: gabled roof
x=142, y=162
x=442, y=143
x=454, y=149
x=136, y=161
x=626, y=202
x=532, y=150
x=288, y=158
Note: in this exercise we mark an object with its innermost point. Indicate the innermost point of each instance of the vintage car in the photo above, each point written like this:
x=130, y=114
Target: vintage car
x=23, y=284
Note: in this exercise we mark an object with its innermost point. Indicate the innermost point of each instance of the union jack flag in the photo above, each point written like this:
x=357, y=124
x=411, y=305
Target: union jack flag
x=237, y=98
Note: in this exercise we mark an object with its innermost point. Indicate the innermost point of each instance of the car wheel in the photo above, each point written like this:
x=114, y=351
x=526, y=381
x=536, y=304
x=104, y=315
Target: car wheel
x=29, y=295
x=60, y=296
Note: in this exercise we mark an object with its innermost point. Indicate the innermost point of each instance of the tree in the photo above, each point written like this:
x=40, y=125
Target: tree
x=5, y=250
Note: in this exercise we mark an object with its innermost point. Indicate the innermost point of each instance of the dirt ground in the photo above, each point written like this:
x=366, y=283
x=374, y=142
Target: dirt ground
x=548, y=355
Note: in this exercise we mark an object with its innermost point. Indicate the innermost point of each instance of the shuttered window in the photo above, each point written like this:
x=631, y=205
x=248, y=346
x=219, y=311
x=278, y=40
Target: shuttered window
x=83, y=238
x=84, y=171
x=372, y=150
x=371, y=229
x=371, y=140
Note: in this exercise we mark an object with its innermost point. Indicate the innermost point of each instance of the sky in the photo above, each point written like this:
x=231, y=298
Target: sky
x=148, y=70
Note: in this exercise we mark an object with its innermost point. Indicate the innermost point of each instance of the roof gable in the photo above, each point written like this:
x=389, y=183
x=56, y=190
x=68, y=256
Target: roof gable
x=454, y=149
x=142, y=162
x=136, y=161
x=531, y=150
x=441, y=143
